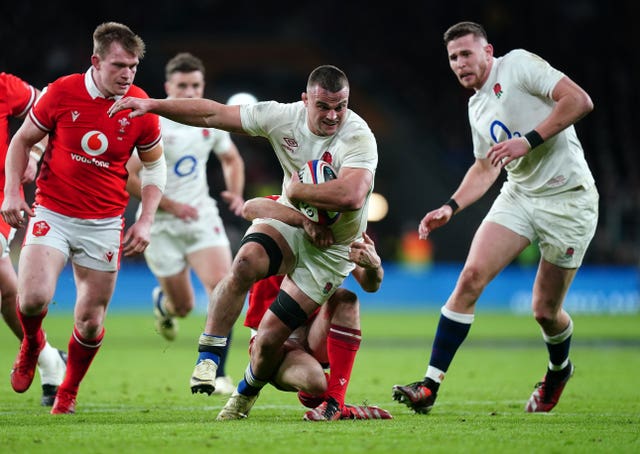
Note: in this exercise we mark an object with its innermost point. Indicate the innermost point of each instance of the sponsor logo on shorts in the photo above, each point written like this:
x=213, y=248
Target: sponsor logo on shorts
x=327, y=288
x=569, y=252
x=109, y=256
x=40, y=228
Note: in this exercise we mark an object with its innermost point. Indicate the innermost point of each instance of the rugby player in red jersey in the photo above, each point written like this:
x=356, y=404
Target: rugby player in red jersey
x=80, y=200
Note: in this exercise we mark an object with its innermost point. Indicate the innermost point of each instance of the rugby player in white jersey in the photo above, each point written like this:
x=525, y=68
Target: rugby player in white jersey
x=521, y=116
x=320, y=126
x=188, y=232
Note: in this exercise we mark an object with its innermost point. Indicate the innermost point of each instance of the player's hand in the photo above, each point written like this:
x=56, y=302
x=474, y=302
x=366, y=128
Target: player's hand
x=235, y=202
x=183, y=211
x=14, y=209
x=506, y=151
x=363, y=253
x=320, y=235
x=138, y=106
x=292, y=186
x=433, y=220
x=137, y=238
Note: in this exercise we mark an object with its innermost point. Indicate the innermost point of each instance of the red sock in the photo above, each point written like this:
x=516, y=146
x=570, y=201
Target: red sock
x=81, y=354
x=342, y=347
x=32, y=325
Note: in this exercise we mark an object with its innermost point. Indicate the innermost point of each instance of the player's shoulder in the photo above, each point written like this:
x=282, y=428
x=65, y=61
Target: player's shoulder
x=355, y=126
x=71, y=83
x=137, y=92
x=519, y=56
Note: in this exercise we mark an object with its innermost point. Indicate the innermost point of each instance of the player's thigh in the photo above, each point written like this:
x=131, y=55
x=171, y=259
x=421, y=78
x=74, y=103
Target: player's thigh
x=493, y=247
x=210, y=264
x=38, y=270
x=277, y=252
x=94, y=287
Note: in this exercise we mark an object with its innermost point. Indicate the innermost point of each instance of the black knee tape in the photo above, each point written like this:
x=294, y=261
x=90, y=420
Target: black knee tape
x=288, y=310
x=271, y=248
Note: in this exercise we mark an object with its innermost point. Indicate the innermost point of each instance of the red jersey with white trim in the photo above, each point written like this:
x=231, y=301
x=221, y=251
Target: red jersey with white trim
x=83, y=173
x=16, y=98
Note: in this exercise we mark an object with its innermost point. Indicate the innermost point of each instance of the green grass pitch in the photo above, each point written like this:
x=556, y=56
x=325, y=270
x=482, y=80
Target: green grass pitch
x=136, y=397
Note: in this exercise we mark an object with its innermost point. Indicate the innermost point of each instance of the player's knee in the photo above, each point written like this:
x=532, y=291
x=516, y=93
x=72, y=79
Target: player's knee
x=344, y=304
x=248, y=265
x=472, y=281
x=33, y=302
x=263, y=252
x=544, y=317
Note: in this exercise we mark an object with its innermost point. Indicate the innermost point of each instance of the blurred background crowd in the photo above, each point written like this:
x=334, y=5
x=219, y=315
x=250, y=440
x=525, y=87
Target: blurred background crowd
x=401, y=84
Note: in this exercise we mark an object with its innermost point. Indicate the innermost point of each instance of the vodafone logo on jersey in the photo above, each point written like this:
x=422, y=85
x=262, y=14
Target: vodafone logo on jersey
x=94, y=143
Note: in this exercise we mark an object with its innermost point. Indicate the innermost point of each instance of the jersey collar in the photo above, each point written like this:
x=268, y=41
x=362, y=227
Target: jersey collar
x=92, y=88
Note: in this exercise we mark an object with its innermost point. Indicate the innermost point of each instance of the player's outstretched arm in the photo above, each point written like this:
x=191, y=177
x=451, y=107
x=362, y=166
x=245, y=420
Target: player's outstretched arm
x=189, y=111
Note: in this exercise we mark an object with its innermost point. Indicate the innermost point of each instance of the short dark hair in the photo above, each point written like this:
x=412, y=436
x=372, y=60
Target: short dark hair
x=114, y=32
x=328, y=77
x=184, y=62
x=463, y=29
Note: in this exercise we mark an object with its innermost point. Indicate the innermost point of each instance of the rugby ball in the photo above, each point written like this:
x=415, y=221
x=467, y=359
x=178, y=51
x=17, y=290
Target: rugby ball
x=317, y=171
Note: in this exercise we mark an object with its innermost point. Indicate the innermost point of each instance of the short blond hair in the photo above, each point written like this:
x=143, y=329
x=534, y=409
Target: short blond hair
x=114, y=32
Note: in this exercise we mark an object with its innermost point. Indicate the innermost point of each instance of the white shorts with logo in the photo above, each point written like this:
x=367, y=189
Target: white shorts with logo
x=318, y=272
x=92, y=243
x=563, y=224
x=172, y=239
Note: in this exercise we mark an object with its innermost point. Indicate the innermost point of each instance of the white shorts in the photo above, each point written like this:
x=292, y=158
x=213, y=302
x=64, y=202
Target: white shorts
x=318, y=272
x=172, y=239
x=92, y=243
x=5, y=242
x=563, y=224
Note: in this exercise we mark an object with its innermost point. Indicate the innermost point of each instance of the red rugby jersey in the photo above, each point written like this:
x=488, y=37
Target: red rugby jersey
x=83, y=174
x=16, y=98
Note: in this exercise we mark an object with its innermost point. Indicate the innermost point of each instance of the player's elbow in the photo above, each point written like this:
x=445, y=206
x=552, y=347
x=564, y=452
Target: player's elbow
x=352, y=201
x=249, y=210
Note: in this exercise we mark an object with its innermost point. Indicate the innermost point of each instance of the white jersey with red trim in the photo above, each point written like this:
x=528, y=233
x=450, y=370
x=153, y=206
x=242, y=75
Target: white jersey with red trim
x=83, y=174
x=514, y=100
x=353, y=145
x=186, y=150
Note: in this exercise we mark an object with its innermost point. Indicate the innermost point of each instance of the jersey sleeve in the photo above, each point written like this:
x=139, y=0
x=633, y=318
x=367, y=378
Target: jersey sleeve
x=222, y=141
x=363, y=150
x=20, y=96
x=43, y=112
x=150, y=134
x=265, y=110
x=535, y=74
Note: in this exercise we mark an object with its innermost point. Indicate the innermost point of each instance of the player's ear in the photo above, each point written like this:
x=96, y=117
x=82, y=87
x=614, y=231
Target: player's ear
x=95, y=61
x=304, y=98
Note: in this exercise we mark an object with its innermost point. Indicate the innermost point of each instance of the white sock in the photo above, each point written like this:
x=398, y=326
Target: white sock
x=51, y=366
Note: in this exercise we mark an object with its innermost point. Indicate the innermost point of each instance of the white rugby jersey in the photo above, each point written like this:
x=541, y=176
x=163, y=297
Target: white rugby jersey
x=186, y=150
x=514, y=100
x=285, y=126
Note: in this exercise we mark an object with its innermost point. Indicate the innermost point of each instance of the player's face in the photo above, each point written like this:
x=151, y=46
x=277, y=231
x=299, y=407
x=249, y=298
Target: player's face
x=470, y=59
x=114, y=73
x=325, y=110
x=185, y=85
